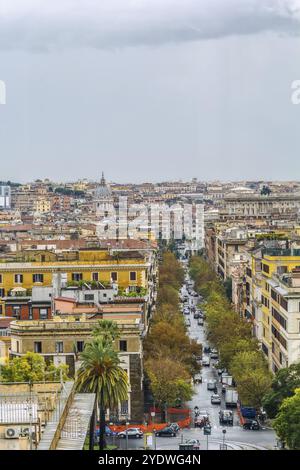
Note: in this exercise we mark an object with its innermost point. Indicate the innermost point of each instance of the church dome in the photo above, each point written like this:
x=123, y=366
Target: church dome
x=103, y=190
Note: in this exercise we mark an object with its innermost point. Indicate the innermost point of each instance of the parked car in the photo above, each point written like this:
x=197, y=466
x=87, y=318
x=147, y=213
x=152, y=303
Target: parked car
x=252, y=424
x=108, y=432
x=175, y=426
x=231, y=397
x=224, y=388
x=215, y=399
x=131, y=433
x=200, y=322
x=214, y=354
x=194, y=442
x=166, y=432
x=198, y=379
x=206, y=349
x=188, y=322
x=226, y=417
x=196, y=315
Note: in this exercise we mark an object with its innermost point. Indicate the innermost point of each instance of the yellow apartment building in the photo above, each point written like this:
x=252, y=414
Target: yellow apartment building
x=274, y=304
x=128, y=269
x=42, y=205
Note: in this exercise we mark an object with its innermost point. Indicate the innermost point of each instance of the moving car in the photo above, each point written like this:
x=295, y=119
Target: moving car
x=215, y=399
x=211, y=385
x=252, y=424
x=206, y=361
x=196, y=315
x=131, y=433
x=201, y=419
x=206, y=349
x=200, y=322
x=188, y=322
x=166, y=432
x=226, y=417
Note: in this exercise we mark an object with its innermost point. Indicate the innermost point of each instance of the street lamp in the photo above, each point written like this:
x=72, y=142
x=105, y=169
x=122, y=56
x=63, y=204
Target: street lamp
x=224, y=433
x=154, y=438
x=113, y=436
x=127, y=424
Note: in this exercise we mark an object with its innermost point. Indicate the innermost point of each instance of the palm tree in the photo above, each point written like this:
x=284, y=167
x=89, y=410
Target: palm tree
x=107, y=329
x=101, y=373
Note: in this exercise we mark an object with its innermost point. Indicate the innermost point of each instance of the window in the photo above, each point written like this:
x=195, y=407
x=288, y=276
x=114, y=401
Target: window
x=80, y=346
x=279, y=337
x=284, y=303
x=264, y=349
x=114, y=276
x=124, y=408
x=132, y=276
x=2, y=292
x=43, y=314
x=1, y=279
x=265, y=268
x=37, y=347
x=59, y=347
x=18, y=346
x=38, y=278
x=76, y=277
x=16, y=312
x=95, y=277
x=18, y=278
x=279, y=318
x=281, y=270
x=274, y=295
x=123, y=345
x=89, y=297
x=132, y=288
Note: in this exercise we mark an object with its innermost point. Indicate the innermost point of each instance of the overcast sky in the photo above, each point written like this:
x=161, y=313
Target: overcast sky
x=149, y=89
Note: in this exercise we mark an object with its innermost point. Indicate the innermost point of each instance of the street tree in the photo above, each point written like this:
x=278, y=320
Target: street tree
x=101, y=373
x=287, y=422
x=283, y=386
x=170, y=382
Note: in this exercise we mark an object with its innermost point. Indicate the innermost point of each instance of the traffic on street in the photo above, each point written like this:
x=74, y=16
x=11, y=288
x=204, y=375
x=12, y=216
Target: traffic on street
x=215, y=423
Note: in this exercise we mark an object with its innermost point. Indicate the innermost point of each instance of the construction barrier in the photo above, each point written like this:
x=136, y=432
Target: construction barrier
x=184, y=423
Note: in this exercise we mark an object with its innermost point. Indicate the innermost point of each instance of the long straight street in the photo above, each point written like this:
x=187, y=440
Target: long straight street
x=235, y=437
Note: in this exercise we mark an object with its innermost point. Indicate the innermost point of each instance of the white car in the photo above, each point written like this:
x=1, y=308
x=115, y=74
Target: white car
x=206, y=361
x=131, y=433
x=215, y=399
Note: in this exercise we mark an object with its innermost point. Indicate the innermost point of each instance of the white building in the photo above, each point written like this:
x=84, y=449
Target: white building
x=5, y=197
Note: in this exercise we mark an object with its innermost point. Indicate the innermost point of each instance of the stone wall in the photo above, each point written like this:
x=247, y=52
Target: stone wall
x=137, y=393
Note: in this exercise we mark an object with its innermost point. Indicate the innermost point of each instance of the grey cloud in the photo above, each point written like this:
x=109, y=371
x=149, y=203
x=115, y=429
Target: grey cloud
x=36, y=25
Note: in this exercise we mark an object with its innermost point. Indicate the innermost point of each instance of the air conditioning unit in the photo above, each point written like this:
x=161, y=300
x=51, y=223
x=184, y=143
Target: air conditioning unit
x=12, y=433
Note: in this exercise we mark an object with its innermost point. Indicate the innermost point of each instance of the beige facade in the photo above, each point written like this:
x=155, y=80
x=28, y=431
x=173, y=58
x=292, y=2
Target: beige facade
x=61, y=340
